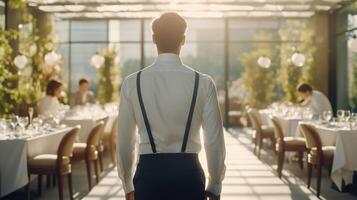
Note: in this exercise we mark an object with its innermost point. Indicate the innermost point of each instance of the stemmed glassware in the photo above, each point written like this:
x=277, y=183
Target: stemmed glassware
x=31, y=111
x=340, y=115
x=23, y=122
x=327, y=116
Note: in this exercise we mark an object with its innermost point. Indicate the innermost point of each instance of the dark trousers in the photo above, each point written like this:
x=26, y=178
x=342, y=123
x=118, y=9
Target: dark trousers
x=169, y=177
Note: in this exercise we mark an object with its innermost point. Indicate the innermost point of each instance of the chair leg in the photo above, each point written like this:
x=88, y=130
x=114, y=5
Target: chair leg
x=95, y=162
x=100, y=156
x=309, y=172
x=60, y=186
x=39, y=184
x=260, y=144
x=319, y=170
x=70, y=186
x=28, y=195
x=112, y=151
x=89, y=176
x=301, y=156
x=281, y=157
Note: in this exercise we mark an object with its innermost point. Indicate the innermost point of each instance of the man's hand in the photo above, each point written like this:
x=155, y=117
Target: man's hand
x=211, y=196
x=130, y=196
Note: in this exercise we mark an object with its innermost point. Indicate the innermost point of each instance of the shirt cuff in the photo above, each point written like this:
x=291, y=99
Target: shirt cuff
x=214, y=188
x=128, y=186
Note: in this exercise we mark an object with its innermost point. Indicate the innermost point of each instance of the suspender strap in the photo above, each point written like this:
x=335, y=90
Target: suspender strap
x=143, y=111
x=190, y=115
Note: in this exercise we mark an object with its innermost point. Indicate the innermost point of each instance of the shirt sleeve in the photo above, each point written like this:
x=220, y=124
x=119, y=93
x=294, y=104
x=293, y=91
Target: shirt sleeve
x=213, y=141
x=126, y=140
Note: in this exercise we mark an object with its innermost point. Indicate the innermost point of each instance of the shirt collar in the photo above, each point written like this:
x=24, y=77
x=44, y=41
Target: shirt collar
x=169, y=59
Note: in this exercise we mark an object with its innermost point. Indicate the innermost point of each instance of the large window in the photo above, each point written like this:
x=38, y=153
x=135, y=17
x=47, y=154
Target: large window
x=204, y=50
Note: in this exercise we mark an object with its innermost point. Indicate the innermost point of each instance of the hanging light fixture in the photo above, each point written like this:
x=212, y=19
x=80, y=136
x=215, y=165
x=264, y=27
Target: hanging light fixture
x=264, y=61
x=352, y=44
x=51, y=58
x=20, y=61
x=298, y=59
x=97, y=61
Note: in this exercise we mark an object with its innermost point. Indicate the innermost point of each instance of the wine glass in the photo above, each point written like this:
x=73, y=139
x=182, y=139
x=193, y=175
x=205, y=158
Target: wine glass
x=23, y=121
x=353, y=120
x=31, y=111
x=327, y=115
x=37, y=122
x=340, y=115
x=13, y=122
x=347, y=115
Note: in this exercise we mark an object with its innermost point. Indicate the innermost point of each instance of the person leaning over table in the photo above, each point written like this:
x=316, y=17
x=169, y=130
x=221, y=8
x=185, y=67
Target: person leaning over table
x=313, y=99
x=163, y=101
x=50, y=104
x=83, y=95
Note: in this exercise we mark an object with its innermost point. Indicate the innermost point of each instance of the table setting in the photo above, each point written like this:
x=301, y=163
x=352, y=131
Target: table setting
x=21, y=138
x=339, y=131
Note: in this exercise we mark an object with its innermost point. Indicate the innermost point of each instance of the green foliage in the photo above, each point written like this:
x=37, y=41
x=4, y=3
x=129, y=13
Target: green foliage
x=290, y=75
x=35, y=40
x=258, y=81
x=17, y=4
x=109, y=77
x=22, y=88
x=8, y=76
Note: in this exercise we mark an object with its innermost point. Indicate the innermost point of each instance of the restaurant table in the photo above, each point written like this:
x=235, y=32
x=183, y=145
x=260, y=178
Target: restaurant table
x=345, y=160
x=87, y=124
x=14, y=154
x=288, y=124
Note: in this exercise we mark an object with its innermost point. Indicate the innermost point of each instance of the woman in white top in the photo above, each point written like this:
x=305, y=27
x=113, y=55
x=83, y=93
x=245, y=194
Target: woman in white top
x=49, y=104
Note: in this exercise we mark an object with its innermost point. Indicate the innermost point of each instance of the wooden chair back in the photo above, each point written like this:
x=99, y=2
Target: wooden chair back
x=66, y=145
x=313, y=139
x=95, y=135
x=278, y=131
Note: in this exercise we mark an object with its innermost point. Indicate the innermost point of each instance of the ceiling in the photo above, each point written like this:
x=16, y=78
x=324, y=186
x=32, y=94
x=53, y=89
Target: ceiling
x=187, y=8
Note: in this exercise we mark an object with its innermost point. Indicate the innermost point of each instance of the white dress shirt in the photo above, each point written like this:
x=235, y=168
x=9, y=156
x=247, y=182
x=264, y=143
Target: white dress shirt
x=318, y=103
x=167, y=88
x=49, y=105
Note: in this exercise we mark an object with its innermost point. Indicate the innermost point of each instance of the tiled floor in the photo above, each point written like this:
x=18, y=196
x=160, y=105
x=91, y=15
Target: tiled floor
x=247, y=178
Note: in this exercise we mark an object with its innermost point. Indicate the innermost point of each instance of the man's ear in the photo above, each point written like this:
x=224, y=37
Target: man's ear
x=183, y=41
x=154, y=39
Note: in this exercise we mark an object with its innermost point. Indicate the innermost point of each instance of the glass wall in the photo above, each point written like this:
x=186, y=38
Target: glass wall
x=204, y=49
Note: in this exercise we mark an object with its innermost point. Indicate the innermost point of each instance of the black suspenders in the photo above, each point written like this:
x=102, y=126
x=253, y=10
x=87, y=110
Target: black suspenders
x=189, y=119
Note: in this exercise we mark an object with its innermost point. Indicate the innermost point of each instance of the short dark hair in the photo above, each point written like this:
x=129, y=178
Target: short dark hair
x=304, y=87
x=83, y=80
x=52, y=86
x=168, y=31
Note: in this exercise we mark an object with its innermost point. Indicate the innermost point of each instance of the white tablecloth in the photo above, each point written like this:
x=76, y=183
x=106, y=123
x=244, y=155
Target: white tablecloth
x=288, y=124
x=345, y=159
x=14, y=154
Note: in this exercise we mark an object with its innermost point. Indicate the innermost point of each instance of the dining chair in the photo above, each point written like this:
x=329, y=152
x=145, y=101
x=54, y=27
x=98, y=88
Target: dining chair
x=88, y=152
x=54, y=164
x=287, y=144
x=110, y=139
x=100, y=147
x=318, y=155
x=261, y=131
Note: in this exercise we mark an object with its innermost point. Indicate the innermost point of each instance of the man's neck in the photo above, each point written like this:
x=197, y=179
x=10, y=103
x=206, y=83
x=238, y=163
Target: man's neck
x=177, y=52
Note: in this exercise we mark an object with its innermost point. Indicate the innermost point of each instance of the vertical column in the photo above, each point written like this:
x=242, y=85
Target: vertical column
x=226, y=72
x=69, y=57
x=321, y=26
x=342, y=61
x=142, y=47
